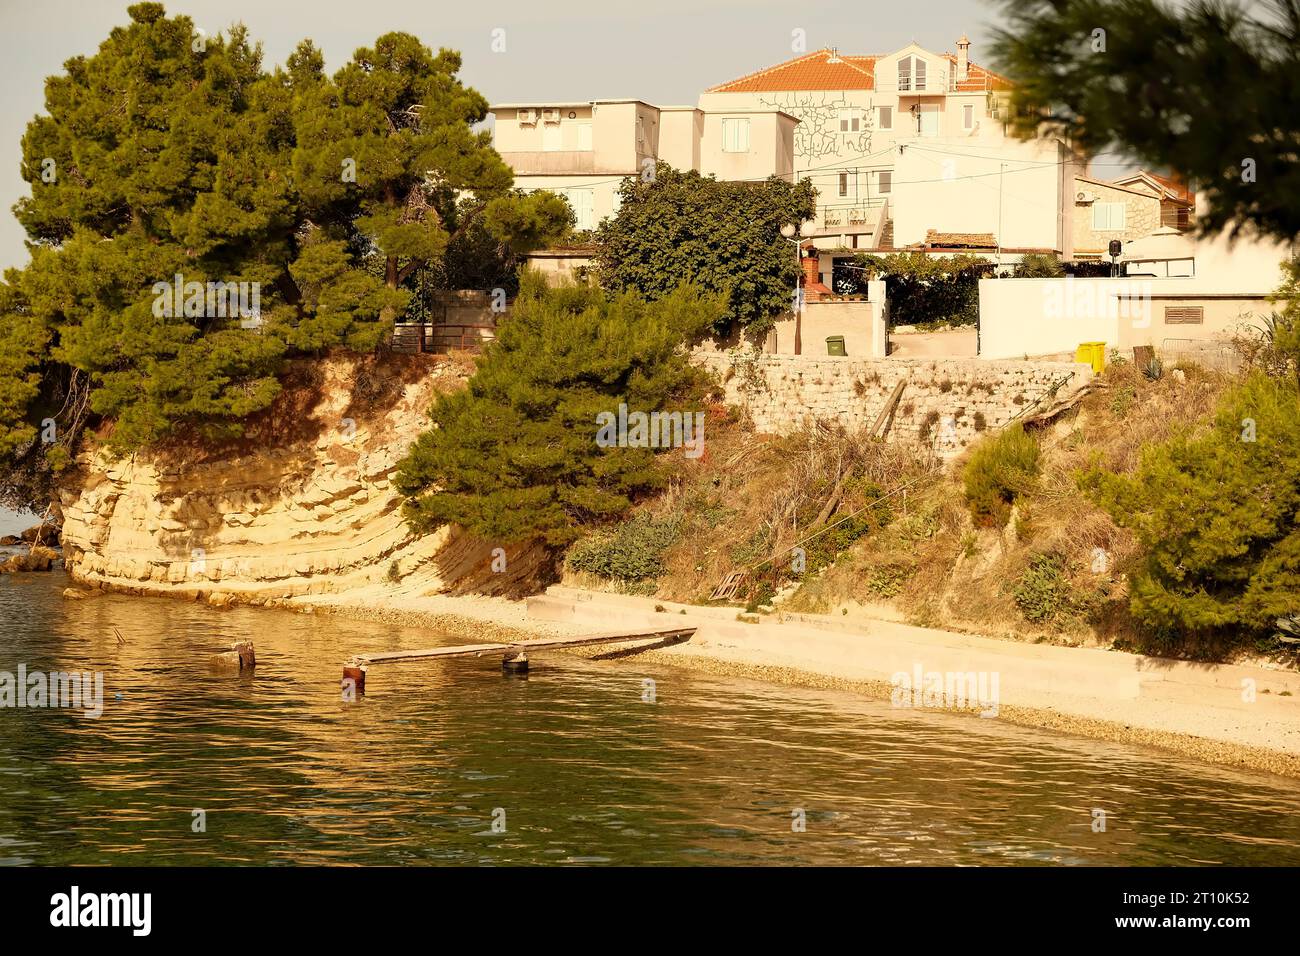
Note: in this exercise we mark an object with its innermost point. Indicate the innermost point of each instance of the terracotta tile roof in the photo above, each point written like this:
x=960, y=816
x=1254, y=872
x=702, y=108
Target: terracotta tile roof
x=826, y=70
x=974, y=240
x=1172, y=186
x=819, y=70
x=978, y=78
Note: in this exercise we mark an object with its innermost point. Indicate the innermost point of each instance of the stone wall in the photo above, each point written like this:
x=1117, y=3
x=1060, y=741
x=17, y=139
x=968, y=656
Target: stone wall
x=945, y=404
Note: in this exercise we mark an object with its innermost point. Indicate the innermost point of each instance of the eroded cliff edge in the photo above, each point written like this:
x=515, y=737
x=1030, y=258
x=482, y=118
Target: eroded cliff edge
x=303, y=504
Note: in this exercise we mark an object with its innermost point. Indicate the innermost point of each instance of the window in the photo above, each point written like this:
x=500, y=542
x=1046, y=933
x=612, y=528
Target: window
x=850, y=121
x=735, y=135
x=552, y=138
x=885, y=181
x=968, y=117
x=1184, y=314
x=886, y=117
x=911, y=73
x=844, y=184
x=1107, y=216
x=584, y=136
x=1174, y=215
x=583, y=202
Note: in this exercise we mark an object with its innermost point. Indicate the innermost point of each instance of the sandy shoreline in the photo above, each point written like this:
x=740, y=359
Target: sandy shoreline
x=1187, y=723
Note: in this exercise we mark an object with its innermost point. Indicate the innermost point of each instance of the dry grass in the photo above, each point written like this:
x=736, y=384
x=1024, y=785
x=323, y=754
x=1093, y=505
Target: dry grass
x=755, y=497
x=750, y=499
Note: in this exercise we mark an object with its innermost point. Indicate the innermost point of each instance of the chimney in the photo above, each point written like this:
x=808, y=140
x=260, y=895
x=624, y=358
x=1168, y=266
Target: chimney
x=963, y=58
x=812, y=280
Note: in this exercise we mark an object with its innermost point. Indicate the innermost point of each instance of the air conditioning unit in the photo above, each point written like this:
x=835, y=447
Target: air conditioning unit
x=550, y=116
x=527, y=117
x=1084, y=197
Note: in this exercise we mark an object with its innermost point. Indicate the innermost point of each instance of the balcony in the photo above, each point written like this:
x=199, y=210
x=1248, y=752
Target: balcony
x=854, y=215
x=934, y=83
x=556, y=162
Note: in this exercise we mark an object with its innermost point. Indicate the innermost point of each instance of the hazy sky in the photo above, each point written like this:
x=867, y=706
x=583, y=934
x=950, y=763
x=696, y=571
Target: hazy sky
x=662, y=51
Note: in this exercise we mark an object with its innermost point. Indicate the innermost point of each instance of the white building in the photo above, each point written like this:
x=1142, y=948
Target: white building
x=585, y=150
x=911, y=147
x=1182, y=295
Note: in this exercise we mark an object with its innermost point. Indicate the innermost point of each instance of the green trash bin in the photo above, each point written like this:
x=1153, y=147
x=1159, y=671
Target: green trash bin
x=835, y=345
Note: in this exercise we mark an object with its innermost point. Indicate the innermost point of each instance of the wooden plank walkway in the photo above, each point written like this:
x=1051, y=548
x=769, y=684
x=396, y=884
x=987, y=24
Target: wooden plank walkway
x=515, y=654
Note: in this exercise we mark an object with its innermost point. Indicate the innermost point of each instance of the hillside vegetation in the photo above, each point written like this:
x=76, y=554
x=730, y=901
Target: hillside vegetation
x=1006, y=542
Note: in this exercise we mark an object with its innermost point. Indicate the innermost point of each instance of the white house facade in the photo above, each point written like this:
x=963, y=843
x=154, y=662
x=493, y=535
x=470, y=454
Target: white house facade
x=909, y=146
x=584, y=150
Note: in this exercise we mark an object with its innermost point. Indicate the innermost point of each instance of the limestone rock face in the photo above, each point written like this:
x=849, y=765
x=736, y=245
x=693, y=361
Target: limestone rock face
x=274, y=520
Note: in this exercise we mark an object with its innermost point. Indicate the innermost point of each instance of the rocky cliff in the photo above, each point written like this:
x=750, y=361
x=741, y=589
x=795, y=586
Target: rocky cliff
x=302, y=505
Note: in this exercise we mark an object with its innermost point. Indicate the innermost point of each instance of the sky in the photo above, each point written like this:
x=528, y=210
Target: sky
x=662, y=51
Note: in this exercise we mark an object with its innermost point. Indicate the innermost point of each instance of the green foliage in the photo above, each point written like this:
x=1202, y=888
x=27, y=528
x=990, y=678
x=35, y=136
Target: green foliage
x=887, y=580
x=514, y=457
x=154, y=159
x=1216, y=516
x=487, y=243
x=22, y=340
x=723, y=236
x=631, y=551
x=925, y=289
x=1043, y=593
x=1155, y=92
x=1122, y=399
x=1276, y=350
x=860, y=514
x=1001, y=468
x=1039, y=265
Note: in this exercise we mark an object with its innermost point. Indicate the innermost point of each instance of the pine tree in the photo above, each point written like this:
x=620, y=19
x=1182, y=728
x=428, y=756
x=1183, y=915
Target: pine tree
x=168, y=153
x=515, y=456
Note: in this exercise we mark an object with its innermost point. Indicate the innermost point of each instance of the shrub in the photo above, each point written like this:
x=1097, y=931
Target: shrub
x=928, y=289
x=887, y=580
x=632, y=551
x=1035, y=265
x=1215, y=514
x=1121, y=400
x=1042, y=593
x=1001, y=468
x=723, y=236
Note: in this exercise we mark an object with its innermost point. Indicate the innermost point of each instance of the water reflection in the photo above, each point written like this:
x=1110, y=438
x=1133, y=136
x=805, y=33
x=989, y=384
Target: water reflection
x=584, y=770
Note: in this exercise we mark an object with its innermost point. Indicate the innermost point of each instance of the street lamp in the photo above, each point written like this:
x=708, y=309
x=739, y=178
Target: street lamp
x=796, y=233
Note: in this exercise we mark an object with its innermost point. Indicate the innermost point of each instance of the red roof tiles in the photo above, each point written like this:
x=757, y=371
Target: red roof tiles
x=819, y=70
x=827, y=70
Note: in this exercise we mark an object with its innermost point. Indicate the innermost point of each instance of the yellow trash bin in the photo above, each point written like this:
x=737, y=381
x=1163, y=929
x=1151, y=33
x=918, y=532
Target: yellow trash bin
x=1094, y=353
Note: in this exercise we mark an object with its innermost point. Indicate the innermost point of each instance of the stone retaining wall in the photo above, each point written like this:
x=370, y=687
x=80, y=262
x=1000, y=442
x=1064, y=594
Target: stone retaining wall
x=946, y=403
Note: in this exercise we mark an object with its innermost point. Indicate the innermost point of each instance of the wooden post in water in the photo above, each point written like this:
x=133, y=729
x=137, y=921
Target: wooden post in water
x=247, y=658
x=354, y=678
x=240, y=657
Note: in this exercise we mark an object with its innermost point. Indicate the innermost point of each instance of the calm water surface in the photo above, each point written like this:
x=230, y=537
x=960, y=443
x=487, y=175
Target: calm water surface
x=585, y=771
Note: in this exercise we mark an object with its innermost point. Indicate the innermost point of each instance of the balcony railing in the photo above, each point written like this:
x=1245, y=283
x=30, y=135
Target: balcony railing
x=859, y=213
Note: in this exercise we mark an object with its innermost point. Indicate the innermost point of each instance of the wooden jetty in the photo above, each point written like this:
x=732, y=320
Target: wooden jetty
x=514, y=654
